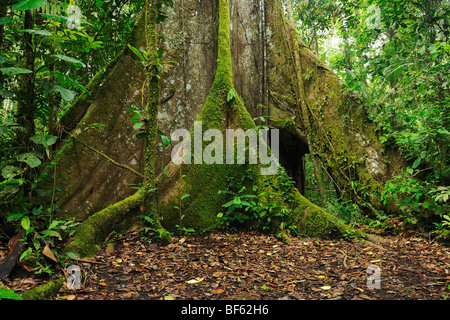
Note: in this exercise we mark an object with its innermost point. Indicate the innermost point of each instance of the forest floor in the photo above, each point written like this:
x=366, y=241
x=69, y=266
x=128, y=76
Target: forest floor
x=252, y=266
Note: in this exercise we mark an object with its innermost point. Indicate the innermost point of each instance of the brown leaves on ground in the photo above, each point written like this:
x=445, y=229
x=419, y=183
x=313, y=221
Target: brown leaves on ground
x=244, y=266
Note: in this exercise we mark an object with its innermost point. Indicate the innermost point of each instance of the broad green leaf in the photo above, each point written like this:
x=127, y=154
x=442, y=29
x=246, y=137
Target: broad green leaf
x=39, y=32
x=13, y=71
x=25, y=223
x=66, y=94
x=165, y=140
x=138, y=125
x=29, y=4
x=9, y=294
x=9, y=172
x=68, y=59
x=30, y=159
x=13, y=216
x=45, y=140
x=416, y=163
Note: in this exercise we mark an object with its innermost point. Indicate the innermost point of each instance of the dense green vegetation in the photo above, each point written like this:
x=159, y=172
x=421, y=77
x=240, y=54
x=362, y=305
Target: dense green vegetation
x=49, y=52
x=395, y=57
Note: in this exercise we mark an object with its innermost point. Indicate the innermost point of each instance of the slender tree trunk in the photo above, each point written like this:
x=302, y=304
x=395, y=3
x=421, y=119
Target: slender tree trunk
x=3, y=9
x=25, y=105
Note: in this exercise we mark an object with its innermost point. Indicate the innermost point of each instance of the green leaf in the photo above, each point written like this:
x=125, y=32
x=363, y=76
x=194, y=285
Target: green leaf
x=220, y=215
x=184, y=196
x=9, y=172
x=136, y=116
x=416, y=163
x=68, y=59
x=30, y=159
x=13, y=216
x=231, y=95
x=45, y=140
x=72, y=255
x=39, y=32
x=9, y=294
x=51, y=233
x=25, y=223
x=165, y=140
x=66, y=94
x=137, y=52
x=29, y=4
x=54, y=224
x=138, y=125
x=12, y=71
x=26, y=254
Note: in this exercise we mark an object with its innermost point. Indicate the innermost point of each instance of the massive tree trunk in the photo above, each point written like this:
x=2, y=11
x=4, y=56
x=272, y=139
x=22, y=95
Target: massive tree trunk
x=264, y=53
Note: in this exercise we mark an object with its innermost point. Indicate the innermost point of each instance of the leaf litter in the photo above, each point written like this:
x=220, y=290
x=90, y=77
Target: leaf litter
x=243, y=266
x=253, y=266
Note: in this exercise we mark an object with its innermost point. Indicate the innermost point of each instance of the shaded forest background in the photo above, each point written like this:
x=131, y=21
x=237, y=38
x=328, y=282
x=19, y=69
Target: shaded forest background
x=393, y=56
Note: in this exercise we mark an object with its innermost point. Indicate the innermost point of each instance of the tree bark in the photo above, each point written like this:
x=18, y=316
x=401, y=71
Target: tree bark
x=153, y=101
x=25, y=104
x=304, y=107
x=264, y=68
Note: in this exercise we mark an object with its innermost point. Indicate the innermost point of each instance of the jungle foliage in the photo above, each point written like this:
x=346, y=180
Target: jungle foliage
x=394, y=56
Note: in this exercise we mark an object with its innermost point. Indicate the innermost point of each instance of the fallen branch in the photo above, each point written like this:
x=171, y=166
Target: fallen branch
x=9, y=262
x=93, y=231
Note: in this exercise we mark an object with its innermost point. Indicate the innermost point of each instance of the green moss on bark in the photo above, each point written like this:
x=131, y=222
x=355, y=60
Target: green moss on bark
x=92, y=232
x=44, y=292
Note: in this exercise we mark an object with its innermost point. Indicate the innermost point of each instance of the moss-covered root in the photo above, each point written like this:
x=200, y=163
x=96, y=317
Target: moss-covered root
x=44, y=292
x=312, y=221
x=94, y=230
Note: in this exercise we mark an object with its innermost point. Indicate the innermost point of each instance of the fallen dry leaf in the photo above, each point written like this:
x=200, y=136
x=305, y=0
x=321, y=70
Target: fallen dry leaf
x=49, y=253
x=195, y=281
x=219, y=291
